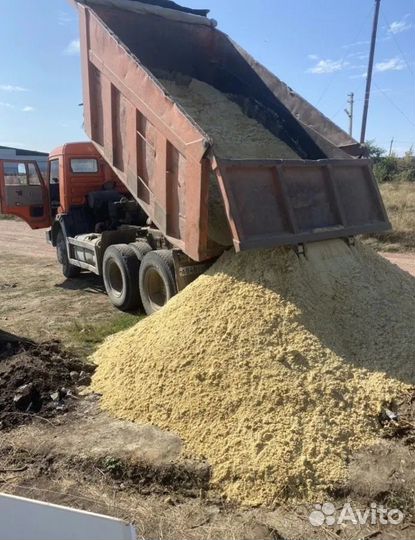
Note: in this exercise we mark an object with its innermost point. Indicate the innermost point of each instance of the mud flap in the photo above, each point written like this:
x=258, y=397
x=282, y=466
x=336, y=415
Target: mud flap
x=187, y=270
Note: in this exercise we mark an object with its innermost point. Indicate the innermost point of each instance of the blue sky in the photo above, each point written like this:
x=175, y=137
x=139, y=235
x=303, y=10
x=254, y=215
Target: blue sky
x=319, y=47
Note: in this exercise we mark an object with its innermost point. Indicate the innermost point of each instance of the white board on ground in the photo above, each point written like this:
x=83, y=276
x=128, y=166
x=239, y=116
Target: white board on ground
x=26, y=519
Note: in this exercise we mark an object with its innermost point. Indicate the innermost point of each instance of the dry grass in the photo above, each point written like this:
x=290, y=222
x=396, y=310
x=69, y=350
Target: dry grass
x=399, y=199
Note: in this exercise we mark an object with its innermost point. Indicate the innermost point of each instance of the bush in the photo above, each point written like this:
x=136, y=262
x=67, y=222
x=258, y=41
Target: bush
x=407, y=175
x=386, y=169
x=391, y=168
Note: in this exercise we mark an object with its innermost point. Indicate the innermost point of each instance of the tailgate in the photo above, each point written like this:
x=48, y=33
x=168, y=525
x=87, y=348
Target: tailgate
x=287, y=202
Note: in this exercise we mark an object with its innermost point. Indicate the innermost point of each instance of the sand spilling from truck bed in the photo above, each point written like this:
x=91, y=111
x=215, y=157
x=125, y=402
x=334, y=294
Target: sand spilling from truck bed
x=271, y=366
x=235, y=135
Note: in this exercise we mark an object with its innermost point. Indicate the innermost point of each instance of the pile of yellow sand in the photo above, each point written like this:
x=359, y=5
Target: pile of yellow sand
x=273, y=367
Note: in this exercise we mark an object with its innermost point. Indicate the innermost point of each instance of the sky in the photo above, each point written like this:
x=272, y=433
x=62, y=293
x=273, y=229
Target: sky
x=319, y=47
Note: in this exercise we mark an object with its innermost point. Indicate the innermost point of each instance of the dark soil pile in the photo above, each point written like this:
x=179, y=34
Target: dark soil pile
x=36, y=379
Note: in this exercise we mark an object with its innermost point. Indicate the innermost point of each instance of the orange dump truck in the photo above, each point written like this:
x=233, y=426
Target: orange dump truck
x=172, y=105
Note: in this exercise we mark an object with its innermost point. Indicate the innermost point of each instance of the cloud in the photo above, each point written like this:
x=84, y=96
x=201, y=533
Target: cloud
x=12, y=88
x=393, y=64
x=28, y=108
x=73, y=48
x=327, y=66
x=64, y=18
x=396, y=27
x=358, y=55
x=312, y=57
x=6, y=105
x=355, y=44
x=359, y=76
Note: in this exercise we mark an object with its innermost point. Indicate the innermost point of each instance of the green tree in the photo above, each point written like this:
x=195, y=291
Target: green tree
x=375, y=152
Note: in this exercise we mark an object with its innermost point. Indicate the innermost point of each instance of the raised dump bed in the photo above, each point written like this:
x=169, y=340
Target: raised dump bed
x=215, y=149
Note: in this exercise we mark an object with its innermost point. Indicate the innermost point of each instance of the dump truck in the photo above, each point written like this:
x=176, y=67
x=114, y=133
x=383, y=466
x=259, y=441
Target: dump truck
x=195, y=149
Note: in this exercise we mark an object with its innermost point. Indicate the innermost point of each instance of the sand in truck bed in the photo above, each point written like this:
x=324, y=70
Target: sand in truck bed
x=235, y=135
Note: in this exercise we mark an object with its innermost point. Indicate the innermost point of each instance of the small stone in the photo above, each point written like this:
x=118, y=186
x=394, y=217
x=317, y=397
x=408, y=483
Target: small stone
x=61, y=407
x=27, y=398
x=84, y=378
x=23, y=390
x=74, y=375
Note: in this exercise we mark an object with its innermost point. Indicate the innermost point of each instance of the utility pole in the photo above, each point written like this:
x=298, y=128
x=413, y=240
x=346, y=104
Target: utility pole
x=370, y=71
x=391, y=146
x=349, y=112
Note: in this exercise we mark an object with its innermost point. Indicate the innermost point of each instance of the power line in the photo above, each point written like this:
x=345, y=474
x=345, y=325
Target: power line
x=395, y=141
x=394, y=104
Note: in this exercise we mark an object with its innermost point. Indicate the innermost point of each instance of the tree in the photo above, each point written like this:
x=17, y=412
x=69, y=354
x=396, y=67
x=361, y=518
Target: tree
x=375, y=152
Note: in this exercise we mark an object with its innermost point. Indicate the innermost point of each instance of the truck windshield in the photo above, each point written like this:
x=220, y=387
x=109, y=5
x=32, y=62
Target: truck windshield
x=84, y=165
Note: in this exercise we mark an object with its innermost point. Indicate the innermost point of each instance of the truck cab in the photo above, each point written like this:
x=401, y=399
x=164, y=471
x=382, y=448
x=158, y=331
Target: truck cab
x=74, y=171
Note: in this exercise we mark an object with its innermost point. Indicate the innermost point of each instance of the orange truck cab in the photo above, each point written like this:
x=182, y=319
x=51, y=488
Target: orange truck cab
x=75, y=170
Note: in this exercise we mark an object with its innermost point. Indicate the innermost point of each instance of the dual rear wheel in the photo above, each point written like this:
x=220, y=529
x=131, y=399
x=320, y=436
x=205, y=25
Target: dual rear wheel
x=134, y=274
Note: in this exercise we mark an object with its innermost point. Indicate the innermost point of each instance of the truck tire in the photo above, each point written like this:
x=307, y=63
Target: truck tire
x=68, y=269
x=141, y=248
x=120, y=269
x=157, y=281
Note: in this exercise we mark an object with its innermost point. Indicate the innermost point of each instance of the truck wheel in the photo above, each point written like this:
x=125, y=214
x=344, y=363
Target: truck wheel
x=68, y=269
x=157, y=282
x=141, y=249
x=120, y=269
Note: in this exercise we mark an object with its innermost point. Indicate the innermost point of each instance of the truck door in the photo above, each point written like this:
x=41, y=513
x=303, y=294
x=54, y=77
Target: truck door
x=23, y=193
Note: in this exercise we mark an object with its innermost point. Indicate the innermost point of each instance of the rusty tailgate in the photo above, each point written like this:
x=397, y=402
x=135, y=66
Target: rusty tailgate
x=288, y=202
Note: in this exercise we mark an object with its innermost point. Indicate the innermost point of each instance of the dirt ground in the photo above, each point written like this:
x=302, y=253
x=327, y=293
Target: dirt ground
x=37, y=379
x=36, y=301
x=78, y=456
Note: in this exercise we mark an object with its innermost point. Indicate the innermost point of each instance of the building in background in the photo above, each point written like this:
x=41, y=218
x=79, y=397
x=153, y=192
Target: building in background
x=7, y=152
